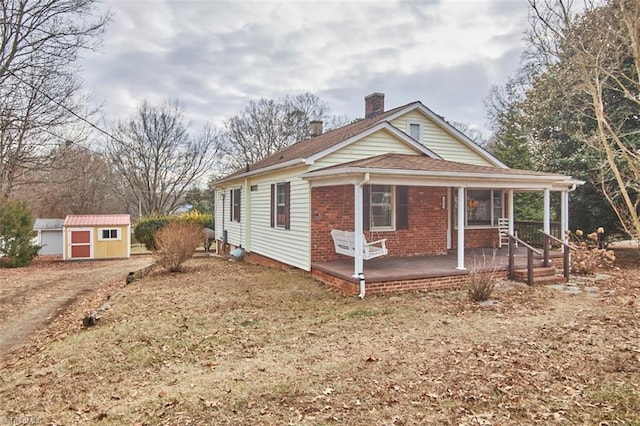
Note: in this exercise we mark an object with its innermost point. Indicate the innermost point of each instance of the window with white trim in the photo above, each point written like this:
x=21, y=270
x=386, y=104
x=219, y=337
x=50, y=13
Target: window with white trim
x=280, y=205
x=381, y=207
x=414, y=129
x=107, y=234
x=483, y=207
x=235, y=205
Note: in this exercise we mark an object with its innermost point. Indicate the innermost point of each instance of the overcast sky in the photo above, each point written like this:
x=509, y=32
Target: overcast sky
x=216, y=56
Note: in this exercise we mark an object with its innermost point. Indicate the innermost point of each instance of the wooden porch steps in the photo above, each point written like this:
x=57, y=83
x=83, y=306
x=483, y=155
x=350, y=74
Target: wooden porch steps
x=541, y=275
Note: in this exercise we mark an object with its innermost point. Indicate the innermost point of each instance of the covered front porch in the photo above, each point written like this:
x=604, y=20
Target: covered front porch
x=424, y=209
x=388, y=274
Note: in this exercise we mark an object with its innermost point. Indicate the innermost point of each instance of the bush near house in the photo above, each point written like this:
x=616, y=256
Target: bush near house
x=482, y=281
x=175, y=243
x=589, y=253
x=146, y=227
x=16, y=234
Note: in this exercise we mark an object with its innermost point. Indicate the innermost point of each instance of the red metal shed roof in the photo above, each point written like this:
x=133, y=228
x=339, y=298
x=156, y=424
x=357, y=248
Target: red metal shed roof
x=98, y=220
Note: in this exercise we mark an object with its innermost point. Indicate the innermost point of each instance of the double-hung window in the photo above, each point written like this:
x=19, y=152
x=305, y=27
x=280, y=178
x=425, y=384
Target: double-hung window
x=382, y=207
x=385, y=207
x=235, y=204
x=280, y=205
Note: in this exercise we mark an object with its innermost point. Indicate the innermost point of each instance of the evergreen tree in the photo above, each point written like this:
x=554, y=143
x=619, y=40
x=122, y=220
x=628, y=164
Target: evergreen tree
x=16, y=234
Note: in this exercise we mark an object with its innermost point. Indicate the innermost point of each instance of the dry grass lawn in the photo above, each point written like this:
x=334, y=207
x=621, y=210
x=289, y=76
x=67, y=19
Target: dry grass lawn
x=232, y=343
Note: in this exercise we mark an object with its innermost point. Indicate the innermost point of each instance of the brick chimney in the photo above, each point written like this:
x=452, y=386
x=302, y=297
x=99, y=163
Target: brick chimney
x=373, y=105
x=315, y=128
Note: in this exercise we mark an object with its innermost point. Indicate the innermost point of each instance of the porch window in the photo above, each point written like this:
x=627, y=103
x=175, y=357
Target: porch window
x=235, y=205
x=382, y=207
x=280, y=205
x=385, y=207
x=483, y=207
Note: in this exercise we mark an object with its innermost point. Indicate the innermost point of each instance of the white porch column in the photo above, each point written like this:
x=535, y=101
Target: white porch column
x=564, y=215
x=358, y=266
x=546, y=221
x=510, y=211
x=461, y=213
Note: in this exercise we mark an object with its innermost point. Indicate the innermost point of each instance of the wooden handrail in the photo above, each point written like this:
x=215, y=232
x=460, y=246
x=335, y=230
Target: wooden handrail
x=557, y=240
x=511, y=269
x=566, y=261
x=536, y=251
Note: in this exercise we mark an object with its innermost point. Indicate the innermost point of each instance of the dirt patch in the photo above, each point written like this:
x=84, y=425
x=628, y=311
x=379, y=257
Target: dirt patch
x=232, y=343
x=33, y=296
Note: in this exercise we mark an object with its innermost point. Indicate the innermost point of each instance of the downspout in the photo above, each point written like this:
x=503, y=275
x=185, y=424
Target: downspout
x=564, y=213
x=224, y=237
x=359, y=261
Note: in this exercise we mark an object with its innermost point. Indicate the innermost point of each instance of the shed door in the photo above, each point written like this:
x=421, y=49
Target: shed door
x=80, y=243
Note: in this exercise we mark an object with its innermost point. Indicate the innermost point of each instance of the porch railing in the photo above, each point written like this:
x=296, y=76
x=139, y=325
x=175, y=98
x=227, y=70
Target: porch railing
x=566, y=249
x=546, y=259
x=528, y=231
x=511, y=268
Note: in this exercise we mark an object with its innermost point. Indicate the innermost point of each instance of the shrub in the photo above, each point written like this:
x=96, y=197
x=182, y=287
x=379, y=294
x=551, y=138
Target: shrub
x=482, y=279
x=146, y=228
x=589, y=253
x=16, y=234
x=175, y=243
x=204, y=220
x=481, y=285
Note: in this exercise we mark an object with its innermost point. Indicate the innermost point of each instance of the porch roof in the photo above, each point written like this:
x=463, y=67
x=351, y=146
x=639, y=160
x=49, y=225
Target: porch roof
x=426, y=171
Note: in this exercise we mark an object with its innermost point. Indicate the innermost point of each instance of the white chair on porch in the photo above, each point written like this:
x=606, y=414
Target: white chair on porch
x=503, y=232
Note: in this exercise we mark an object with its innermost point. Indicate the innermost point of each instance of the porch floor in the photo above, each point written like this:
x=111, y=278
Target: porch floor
x=387, y=268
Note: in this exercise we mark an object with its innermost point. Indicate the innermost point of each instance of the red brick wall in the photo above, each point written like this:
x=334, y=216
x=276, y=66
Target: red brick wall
x=384, y=287
x=477, y=238
x=258, y=259
x=332, y=208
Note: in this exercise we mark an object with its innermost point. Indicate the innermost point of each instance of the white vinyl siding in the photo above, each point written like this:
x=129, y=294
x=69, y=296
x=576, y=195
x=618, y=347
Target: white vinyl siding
x=235, y=230
x=378, y=143
x=440, y=141
x=291, y=246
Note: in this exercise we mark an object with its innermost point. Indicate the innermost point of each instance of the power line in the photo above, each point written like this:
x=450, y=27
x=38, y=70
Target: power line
x=78, y=116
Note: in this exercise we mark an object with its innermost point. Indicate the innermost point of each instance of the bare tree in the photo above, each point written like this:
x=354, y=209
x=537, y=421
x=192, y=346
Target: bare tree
x=472, y=133
x=597, y=54
x=157, y=157
x=78, y=181
x=39, y=92
x=267, y=125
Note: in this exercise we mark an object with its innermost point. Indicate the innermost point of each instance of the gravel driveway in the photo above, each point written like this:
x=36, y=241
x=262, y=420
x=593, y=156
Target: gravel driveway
x=32, y=296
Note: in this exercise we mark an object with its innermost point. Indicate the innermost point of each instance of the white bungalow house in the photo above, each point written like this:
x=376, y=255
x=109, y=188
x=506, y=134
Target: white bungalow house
x=401, y=176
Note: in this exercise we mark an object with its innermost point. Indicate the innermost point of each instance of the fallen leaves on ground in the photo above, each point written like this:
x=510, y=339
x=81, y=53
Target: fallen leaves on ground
x=233, y=343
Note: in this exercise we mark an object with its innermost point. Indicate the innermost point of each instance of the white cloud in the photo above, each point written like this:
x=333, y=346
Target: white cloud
x=216, y=56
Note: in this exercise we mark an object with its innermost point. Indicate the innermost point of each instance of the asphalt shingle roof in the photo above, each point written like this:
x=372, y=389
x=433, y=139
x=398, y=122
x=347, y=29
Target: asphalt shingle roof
x=309, y=147
x=423, y=163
